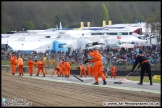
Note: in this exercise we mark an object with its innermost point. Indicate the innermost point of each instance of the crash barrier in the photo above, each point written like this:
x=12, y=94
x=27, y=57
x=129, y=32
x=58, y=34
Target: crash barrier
x=7, y=68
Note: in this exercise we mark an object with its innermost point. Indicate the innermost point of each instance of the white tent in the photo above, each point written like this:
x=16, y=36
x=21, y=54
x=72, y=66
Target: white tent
x=78, y=32
x=102, y=41
x=8, y=40
x=133, y=39
x=87, y=41
x=37, y=46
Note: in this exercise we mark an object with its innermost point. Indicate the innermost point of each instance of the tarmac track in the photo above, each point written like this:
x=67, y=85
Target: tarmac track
x=51, y=93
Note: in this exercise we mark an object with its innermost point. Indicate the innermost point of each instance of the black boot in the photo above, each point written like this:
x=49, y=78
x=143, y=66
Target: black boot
x=151, y=82
x=104, y=82
x=19, y=74
x=37, y=75
x=96, y=83
x=13, y=73
x=140, y=83
x=44, y=75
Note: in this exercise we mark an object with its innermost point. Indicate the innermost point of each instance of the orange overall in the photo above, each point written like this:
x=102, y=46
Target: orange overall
x=67, y=69
x=113, y=72
x=84, y=71
x=57, y=70
x=60, y=65
x=81, y=70
x=20, y=65
x=97, y=67
x=30, y=64
x=13, y=62
x=89, y=70
x=63, y=68
x=40, y=65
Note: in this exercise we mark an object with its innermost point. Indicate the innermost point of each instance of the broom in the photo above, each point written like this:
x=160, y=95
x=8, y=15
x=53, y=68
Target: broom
x=127, y=75
x=123, y=78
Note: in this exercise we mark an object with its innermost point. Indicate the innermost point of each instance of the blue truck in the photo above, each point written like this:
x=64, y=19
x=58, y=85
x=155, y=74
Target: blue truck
x=59, y=46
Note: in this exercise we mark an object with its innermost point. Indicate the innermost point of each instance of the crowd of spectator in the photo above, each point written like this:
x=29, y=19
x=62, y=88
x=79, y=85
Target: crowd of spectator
x=117, y=56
